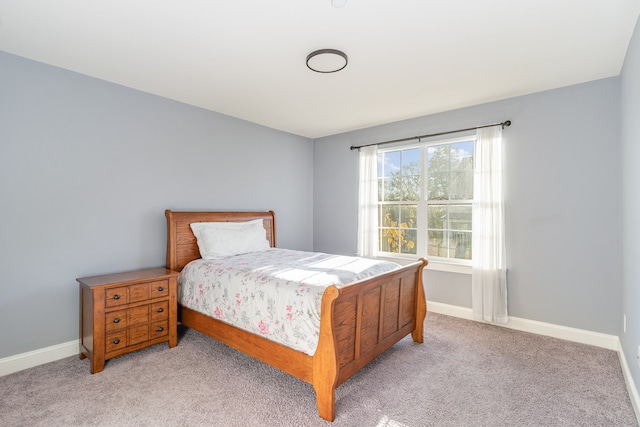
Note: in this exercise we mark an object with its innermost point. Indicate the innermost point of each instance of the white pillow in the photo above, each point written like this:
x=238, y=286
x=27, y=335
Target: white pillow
x=216, y=239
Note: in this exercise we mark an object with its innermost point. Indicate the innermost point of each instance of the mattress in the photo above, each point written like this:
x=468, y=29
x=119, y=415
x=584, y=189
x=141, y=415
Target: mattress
x=276, y=293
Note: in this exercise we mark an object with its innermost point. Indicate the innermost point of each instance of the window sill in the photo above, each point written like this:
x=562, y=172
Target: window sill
x=433, y=265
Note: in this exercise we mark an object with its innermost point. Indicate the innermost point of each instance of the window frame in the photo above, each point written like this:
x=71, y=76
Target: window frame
x=435, y=262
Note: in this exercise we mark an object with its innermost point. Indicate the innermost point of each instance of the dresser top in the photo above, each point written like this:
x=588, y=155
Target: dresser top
x=128, y=277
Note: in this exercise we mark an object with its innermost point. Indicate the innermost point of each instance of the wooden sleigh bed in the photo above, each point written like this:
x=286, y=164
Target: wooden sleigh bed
x=358, y=321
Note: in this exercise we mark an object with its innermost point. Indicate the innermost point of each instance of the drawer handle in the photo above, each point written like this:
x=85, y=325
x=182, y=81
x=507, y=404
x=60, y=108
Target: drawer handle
x=116, y=320
x=160, y=329
x=116, y=296
x=160, y=289
x=160, y=310
x=116, y=341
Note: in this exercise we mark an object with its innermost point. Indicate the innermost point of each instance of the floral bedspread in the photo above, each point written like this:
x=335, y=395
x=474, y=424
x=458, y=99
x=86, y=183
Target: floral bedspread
x=274, y=293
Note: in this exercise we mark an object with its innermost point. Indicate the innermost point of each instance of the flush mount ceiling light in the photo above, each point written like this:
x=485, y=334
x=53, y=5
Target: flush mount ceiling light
x=327, y=60
x=338, y=3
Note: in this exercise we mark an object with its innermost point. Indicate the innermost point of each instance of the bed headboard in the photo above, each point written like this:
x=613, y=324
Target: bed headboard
x=182, y=247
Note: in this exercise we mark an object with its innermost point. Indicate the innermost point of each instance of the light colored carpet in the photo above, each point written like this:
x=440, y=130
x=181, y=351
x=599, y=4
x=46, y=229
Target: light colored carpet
x=465, y=374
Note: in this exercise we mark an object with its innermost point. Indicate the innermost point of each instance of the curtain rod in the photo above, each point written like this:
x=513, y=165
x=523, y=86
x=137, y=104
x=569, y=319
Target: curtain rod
x=503, y=124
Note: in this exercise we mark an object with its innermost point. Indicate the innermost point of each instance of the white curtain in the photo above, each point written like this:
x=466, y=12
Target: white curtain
x=368, y=203
x=489, y=280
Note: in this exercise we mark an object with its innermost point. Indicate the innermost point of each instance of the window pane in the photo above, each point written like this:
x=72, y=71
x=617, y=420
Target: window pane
x=460, y=217
x=389, y=215
x=437, y=243
x=438, y=186
x=398, y=233
x=437, y=217
x=387, y=242
x=410, y=188
x=461, y=186
x=408, y=241
x=462, y=156
x=411, y=167
x=410, y=161
x=390, y=240
x=408, y=216
x=460, y=244
x=438, y=158
x=392, y=190
x=389, y=165
x=399, y=175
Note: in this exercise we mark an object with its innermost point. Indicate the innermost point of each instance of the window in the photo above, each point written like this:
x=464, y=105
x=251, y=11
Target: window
x=425, y=200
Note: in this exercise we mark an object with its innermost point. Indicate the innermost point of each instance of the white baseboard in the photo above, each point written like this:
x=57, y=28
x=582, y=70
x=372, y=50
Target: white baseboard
x=556, y=331
x=450, y=310
x=631, y=385
x=16, y=363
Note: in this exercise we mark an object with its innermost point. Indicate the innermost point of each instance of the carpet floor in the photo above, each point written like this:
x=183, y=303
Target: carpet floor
x=465, y=374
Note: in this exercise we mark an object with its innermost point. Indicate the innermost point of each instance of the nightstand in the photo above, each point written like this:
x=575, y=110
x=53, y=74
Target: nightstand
x=124, y=312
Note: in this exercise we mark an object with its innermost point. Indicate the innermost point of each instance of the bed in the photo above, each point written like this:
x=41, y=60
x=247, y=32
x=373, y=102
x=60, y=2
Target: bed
x=358, y=321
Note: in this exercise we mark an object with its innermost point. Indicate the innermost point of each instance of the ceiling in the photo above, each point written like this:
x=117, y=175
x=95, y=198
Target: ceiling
x=246, y=58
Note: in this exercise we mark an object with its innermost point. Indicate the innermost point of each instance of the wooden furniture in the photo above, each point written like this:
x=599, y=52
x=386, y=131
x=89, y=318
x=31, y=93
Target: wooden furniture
x=359, y=321
x=124, y=312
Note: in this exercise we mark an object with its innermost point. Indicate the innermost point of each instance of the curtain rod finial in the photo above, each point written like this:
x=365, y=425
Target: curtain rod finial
x=507, y=123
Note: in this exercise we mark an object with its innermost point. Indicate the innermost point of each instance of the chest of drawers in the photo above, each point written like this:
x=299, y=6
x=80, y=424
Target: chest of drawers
x=124, y=312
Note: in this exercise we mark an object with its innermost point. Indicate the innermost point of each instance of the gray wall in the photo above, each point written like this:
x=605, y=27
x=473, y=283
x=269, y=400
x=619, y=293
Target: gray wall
x=562, y=186
x=87, y=169
x=631, y=204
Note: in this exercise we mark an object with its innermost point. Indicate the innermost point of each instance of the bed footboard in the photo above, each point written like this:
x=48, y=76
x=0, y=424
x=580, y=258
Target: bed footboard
x=362, y=320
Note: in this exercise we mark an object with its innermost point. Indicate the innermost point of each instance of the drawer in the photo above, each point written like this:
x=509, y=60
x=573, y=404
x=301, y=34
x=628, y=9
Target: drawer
x=129, y=294
x=115, y=296
x=116, y=320
x=138, y=334
x=139, y=292
x=159, y=288
x=116, y=341
x=160, y=311
x=159, y=329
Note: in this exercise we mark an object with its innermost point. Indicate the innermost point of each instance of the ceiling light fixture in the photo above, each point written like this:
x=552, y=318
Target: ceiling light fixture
x=327, y=60
x=338, y=3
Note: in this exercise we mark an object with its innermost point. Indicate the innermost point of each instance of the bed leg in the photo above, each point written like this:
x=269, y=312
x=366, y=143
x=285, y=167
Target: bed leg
x=326, y=401
x=421, y=307
x=418, y=333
